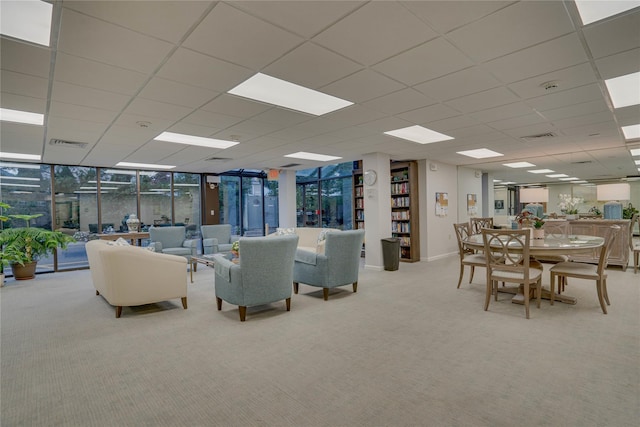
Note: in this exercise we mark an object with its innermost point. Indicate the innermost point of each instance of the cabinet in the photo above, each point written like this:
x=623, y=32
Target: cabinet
x=404, y=209
x=619, y=254
x=358, y=197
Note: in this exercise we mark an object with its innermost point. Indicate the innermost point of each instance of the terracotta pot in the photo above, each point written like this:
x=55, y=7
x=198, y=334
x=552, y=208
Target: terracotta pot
x=26, y=272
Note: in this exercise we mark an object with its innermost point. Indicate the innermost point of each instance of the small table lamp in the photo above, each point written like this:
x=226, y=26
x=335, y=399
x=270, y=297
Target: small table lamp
x=534, y=197
x=613, y=194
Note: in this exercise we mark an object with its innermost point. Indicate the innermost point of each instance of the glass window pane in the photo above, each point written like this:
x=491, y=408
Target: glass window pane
x=307, y=201
x=155, y=198
x=271, y=211
x=252, y=206
x=338, y=170
x=229, y=193
x=26, y=188
x=336, y=208
x=307, y=175
x=75, y=201
x=118, y=194
x=187, y=203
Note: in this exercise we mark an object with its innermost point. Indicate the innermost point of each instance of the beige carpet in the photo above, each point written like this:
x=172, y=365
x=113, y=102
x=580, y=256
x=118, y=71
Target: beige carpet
x=409, y=349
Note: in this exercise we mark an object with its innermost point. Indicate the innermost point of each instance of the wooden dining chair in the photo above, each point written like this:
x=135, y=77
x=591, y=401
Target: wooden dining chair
x=477, y=224
x=588, y=271
x=507, y=260
x=468, y=257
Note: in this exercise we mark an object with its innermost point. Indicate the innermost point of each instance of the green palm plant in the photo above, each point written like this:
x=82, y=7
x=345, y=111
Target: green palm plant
x=25, y=245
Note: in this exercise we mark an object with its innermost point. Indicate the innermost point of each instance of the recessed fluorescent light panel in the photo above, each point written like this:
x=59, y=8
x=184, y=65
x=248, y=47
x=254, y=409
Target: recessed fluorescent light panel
x=143, y=165
x=582, y=181
x=419, y=134
x=200, y=141
x=541, y=171
x=592, y=11
x=631, y=132
x=17, y=116
x=624, y=90
x=27, y=20
x=519, y=165
x=282, y=93
x=558, y=175
x=312, y=156
x=635, y=151
x=637, y=162
x=573, y=178
x=480, y=153
x=20, y=156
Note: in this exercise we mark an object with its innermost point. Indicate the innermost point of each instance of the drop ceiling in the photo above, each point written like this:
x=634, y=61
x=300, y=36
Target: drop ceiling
x=120, y=73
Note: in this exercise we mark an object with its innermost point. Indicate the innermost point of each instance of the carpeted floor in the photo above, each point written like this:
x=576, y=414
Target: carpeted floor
x=409, y=349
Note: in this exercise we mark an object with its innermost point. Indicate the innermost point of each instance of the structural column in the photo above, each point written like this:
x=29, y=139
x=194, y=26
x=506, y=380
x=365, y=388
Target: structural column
x=377, y=208
x=287, y=198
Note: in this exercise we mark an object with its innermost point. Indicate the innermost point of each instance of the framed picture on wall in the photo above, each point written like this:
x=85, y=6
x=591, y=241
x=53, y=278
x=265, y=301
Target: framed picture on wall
x=498, y=205
x=472, y=206
x=442, y=204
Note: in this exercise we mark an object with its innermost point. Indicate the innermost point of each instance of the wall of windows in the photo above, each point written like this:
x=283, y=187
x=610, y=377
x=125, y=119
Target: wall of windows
x=87, y=201
x=323, y=197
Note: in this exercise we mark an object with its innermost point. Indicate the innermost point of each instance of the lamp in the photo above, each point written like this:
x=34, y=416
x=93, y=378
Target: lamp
x=534, y=197
x=612, y=194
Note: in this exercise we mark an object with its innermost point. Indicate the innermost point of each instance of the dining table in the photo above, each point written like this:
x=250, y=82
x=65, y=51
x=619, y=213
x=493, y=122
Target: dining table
x=547, y=246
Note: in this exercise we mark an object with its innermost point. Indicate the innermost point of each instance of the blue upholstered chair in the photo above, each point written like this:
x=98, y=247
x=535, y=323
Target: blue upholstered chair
x=338, y=266
x=263, y=275
x=172, y=241
x=217, y=238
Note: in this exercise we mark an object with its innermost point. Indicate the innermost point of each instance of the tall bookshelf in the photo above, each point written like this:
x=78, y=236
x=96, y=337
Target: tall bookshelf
x=358, y=196
x=404, y=209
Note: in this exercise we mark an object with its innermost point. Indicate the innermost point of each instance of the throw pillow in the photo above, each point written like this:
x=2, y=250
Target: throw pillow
x=285, y=231
x=322, y=236
x=121, y=242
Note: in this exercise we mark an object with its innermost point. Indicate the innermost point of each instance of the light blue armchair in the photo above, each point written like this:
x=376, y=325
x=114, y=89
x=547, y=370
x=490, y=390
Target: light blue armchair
x=172, y=241
x=263, y=275
x=217, y=238
x=338, y=266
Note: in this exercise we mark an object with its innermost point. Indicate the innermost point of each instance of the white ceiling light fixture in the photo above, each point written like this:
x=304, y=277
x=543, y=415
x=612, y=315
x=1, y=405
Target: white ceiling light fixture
x=573, y=178
x=637, y=162
x=20, y=156
x=17, y=116
x=624, y=90
x=14, y=184
x=282, y=93
x=27, y=20
x=38, y=179
x=480, y=153
x=519, y=165
x=631, y=131
x=419, y=134
x=557, y=175
x=592, y=11
x=143, y=165
x=200, y=141
x=312, y=156
x=582, y=181
x=541, y=171
x=635, y=151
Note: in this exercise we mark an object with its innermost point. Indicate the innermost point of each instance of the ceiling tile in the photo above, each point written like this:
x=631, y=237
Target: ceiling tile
x=557, y=99
x=507, y=111
x=399, y=102
x=248, y=41
x=516, y=122
x=445, y=16
x=425, y=62
x=362, y=86
x=84, y=72
x=236, y=106
x=460, y=83
x=311, y=66
x=81, y=112
x=576, y=110
x=207, y=118
x=171, y=92
x=383, y=29
x=513, y=28
x=305, y=18
x=483, y=100
x=567, y=78
x=613, y=35
x=24, y=58
x=543, y=58
x=355, y=115
x=620, y=64
x=171, y=19
x=78, y=95
x=161, y=110
x=23, y=84
x=196, y=69
x=23, y=103
x=429, y=114
x=21, y=138
x=91, y=38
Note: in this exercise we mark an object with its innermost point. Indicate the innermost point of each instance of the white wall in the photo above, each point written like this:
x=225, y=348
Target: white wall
x=440, y=238
x=469, y=182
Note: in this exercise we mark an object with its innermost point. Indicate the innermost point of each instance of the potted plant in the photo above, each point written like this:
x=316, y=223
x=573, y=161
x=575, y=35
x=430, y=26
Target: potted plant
x=23, y=246
x=569, y=205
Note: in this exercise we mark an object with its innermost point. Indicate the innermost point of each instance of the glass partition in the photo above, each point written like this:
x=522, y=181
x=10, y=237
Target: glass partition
x=187, y=202
x=155, y=199
x=229, y=193
x=119, y=198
